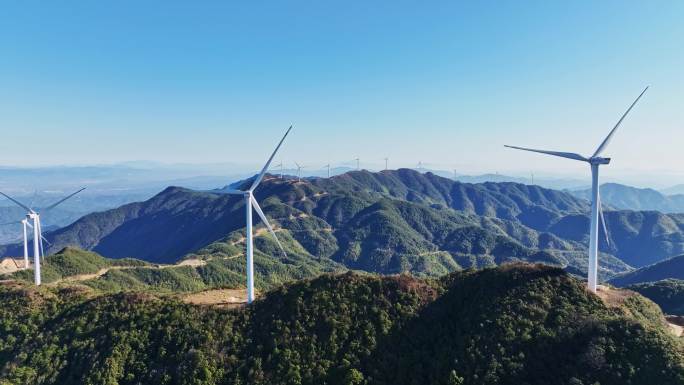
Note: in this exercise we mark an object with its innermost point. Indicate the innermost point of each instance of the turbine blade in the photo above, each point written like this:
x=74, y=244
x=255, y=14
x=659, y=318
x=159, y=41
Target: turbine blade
x=35, y=195
x=605, y=142
x=603, y=220
x=255, y=204
x=268, y=164
x=52, y=206
x=568, y=155
x=17, y=202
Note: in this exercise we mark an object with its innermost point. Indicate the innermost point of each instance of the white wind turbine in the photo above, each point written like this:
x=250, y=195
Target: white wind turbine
x=251, y=202
x=24, y=224
x=358, y=164
x=299, y=172
x=38, y=238
x=386, y=163
x=328, y=167
x=594, y=161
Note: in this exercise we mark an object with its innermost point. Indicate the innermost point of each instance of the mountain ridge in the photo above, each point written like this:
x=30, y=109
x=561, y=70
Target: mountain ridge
x=625, y=197
x=512, y=221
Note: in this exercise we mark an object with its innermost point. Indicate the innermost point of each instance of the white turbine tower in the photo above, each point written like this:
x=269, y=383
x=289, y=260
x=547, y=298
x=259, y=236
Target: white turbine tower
x=594, y=161
x=328, y=167
x=251, y=202
x=299, y=172
x=38, y=238
x=386, y=163
x=25, y=223
x=358, y=164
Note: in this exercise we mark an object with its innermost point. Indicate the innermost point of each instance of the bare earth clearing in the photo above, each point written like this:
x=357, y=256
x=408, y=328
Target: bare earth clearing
x=229, y=298
x=10, y=265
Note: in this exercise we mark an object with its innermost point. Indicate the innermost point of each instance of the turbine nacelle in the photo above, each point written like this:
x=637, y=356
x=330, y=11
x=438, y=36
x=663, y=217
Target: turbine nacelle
x=599, y=160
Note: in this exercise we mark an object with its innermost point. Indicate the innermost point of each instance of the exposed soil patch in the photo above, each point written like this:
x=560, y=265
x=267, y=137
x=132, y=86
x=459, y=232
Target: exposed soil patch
x=10, y=265
x=229, y=298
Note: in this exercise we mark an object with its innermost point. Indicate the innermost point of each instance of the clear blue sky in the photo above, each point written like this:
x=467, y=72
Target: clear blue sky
x=447, y=82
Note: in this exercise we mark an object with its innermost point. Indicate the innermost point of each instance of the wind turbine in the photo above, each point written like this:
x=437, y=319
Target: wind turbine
x=299, y=172
x=281, y=169
x=358, y=167
x=328, y=166
x=386, y=163
x=251, y=202
x=594, y=161
x=38, y=238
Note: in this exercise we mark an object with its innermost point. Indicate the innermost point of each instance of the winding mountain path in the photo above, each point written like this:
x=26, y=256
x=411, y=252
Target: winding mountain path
x=85, y=277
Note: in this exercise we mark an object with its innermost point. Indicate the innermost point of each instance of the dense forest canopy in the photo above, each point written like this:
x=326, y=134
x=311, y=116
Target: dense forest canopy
x=507, y=325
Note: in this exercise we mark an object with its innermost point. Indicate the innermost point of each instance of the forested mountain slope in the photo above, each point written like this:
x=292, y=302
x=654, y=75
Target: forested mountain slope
x=386, y=222
x=537, y=326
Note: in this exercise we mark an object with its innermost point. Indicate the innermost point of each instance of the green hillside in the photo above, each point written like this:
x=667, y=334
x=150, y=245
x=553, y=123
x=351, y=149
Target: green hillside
x=537, y=326
x=668, y=294
x=386, y=222
x=222, y=266
x=71, y=261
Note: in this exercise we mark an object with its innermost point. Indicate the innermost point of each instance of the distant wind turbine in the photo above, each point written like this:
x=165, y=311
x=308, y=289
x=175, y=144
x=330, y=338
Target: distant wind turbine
x=358, y=167
x=38, y=238
x=251, y=202
x=24, y=224
x=280, y=165
x=299, y=172
x=328, y=166
x=594, y=161
x=386, y=163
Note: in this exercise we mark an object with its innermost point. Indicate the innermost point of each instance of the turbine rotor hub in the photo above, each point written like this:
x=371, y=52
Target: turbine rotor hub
x=599, y=160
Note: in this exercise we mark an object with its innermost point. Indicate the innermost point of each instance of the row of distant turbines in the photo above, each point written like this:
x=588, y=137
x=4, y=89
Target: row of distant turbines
x=32, y=221
x=328, y=167
x=595, y=160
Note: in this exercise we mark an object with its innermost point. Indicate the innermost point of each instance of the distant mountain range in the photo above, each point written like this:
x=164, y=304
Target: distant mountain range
x=674, y=190
x=631, y=198
x=671, y=268
x=386, y=222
